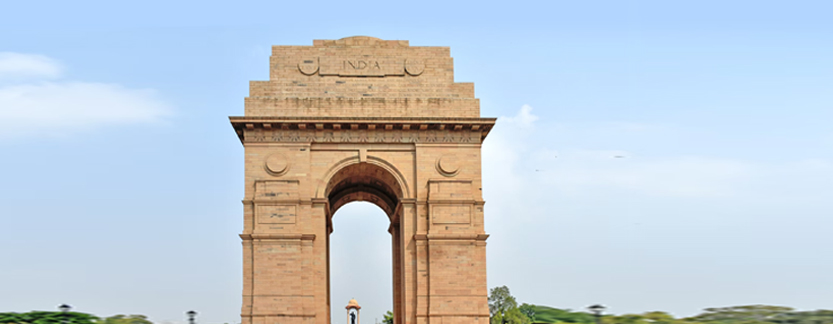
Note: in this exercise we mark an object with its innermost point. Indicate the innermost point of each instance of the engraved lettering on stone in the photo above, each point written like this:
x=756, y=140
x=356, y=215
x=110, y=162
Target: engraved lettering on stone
x=281, y=214
x=361, y=65
x=276, y=189
x=364, y=66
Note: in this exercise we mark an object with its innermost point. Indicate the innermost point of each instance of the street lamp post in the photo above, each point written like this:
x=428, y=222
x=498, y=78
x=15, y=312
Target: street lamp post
x=597, y=312
x=191, y=315
x=64, y=310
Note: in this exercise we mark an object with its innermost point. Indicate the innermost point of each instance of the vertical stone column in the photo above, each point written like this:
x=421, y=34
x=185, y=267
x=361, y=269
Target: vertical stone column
x=407, y=272
x=319, y=289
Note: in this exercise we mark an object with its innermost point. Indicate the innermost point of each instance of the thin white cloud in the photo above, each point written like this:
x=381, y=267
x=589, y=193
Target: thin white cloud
x=523, y=119
x=26, y=66
x=50, y=108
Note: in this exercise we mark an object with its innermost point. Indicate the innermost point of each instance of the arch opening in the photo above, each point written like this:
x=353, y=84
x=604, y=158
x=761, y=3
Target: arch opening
x=361, y=262
x=372, y=183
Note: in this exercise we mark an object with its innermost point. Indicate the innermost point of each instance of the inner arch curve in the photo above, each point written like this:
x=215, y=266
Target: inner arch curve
x=364, y=182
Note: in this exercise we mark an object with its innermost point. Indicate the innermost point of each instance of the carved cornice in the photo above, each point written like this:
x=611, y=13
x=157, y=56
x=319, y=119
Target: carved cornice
x=361, y=130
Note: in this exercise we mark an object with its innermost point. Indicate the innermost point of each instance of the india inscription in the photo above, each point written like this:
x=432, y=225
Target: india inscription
x=363, y=66
x=363, y=119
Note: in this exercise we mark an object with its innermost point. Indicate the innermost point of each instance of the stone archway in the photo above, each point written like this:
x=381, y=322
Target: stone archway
x=363, y=119
x=363, y=181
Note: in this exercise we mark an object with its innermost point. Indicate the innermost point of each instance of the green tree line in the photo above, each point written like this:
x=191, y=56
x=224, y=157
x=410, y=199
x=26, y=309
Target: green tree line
x=42, y=317
x=504, y=308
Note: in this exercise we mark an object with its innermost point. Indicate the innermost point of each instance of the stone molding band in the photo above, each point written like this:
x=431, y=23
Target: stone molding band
x=303, y=237
x=451, y=237
x=361, y=130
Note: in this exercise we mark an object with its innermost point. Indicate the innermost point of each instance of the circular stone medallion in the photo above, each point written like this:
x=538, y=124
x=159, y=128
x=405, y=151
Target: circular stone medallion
x=414, y=67
x=448, y=165
x=308, y=66
x=277, y=164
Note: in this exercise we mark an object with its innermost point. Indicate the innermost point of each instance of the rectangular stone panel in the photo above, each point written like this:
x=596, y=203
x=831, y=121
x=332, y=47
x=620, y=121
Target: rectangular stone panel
x=276, y=214
x=451, y=214
x=276, y=189
x=450, y=190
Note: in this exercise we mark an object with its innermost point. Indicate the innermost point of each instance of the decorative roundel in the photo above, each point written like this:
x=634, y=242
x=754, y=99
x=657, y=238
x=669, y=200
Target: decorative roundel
x=308, y=66
x=448, y=165
x=414, y=67
x=277, y=164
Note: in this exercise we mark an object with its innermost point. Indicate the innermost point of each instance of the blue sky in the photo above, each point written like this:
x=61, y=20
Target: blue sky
x=122, y=178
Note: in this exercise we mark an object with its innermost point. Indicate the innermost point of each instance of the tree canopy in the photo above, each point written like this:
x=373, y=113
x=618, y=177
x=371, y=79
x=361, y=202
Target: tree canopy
x=41, y=317
x=503, y=308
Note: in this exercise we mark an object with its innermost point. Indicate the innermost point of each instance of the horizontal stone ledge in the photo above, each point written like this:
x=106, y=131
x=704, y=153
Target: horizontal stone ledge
x=347, y=119
x=451, y=237
x=358, y=98
x=440, y=295
x=278, y=315
x=272, y=124
x=263, y=236
x=261, y=201
x=276, y=125
x=274, y=295
x=454, y=201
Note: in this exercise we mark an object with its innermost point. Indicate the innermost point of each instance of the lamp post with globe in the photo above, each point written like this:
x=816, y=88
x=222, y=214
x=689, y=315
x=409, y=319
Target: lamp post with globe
x=191, y=315
x=597, y=312
x=64, y=308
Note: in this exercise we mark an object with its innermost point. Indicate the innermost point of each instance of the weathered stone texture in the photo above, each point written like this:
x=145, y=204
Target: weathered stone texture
x=363, y=119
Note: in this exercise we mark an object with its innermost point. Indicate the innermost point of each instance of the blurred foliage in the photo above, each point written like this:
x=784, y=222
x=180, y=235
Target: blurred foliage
x=388, y=318
x=748, y=314
x=126, y=319
x=40, y=317
x=528, y=310
x=502, y=305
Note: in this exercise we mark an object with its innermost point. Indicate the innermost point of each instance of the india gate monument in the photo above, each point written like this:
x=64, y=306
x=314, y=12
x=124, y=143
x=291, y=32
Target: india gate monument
x=363, y=119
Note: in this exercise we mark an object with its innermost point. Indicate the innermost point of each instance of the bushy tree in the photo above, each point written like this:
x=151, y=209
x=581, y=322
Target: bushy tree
x=503, y=308
x=388, y=318
x=501, y=301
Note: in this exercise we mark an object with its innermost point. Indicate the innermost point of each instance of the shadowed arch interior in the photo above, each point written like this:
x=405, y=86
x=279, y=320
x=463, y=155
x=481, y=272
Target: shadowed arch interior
x=364, y=182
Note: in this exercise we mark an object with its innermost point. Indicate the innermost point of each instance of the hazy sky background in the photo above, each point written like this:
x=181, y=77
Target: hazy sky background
x=121, y=178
